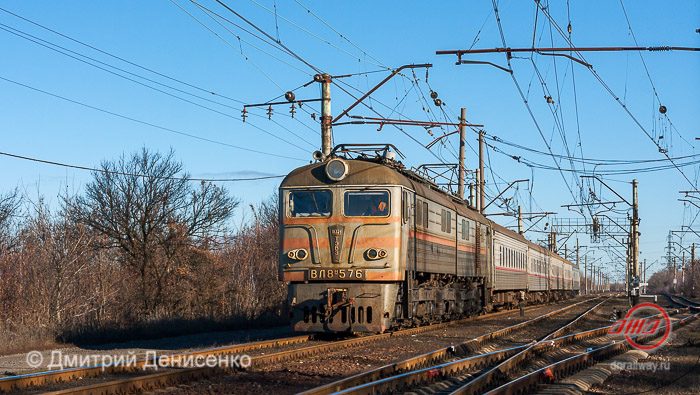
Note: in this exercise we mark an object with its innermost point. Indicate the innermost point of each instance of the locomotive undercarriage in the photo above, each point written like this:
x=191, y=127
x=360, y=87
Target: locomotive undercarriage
x=511, y=299
x=377, y=307
x=437, y=297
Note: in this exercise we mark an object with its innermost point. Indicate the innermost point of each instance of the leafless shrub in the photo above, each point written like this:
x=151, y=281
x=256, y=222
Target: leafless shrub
x=142, y=247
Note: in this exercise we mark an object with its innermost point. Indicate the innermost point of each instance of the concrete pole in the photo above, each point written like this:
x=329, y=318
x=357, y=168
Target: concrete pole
x=594, y=279
x=635, y=246
x=682, y=270
x=520, y=220
x=585, y=275
x=578, y=264
x=472, y=203
x=326, y=117
x=462, y=143
x=644, y=275
x=675, y=270
x=482, y=179
x=478, y=191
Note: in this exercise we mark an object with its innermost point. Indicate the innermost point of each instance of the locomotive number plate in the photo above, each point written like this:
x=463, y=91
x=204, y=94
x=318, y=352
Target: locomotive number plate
x=336, y=274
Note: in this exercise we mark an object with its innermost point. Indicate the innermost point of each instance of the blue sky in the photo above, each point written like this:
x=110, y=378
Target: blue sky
x=375, y=35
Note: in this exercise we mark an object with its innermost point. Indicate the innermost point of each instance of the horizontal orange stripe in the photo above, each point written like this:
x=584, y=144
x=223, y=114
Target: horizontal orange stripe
x=383, y=276
x=443, y=241
x=323, y=242
x=303, y=242
x=293, y=275
x=339, y=220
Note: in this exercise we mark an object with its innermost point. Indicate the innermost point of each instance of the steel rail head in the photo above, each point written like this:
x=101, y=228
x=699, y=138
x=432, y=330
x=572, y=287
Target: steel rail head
x=397, y=382
x=410, y=363
x=14, y=383
x=153, y=380
x=390, y=377
x=572, y=364
x=486, y=379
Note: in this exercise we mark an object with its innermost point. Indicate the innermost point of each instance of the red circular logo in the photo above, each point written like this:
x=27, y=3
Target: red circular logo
x=642, y=321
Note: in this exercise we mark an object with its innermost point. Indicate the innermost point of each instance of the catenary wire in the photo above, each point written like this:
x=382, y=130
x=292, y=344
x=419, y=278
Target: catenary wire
x=93, y=169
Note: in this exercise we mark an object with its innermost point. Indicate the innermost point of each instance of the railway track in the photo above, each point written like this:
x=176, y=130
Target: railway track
x=431, y=372
x=518, y=369
x=683, y=302
x=24, y=381
x=172, y=376
x=546, y=377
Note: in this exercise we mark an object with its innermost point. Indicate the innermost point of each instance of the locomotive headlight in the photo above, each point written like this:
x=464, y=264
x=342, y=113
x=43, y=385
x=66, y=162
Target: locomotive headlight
x=298, y=254
x=373, y=254
x=336, y=169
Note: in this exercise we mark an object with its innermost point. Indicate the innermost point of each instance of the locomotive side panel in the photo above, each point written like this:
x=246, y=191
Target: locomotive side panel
x=434, y=238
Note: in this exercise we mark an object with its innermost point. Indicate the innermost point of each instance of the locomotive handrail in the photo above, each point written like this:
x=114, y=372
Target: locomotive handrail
x=361, y=148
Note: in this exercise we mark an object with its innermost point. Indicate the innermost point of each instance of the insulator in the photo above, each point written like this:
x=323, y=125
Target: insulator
x=244, y=114
x=568, y=28
x=292, y=110
x=662, y=109
x=437, y=102
x=289, y=96
x=549, y=99
x=433, y=95
x=269, y=112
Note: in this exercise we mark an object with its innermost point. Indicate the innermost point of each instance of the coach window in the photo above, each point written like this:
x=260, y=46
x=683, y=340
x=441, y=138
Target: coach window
x=366, y=204
x=310, y=203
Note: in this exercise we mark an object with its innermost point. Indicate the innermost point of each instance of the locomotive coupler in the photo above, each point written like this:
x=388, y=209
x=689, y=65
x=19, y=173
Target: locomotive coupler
x=336, y=298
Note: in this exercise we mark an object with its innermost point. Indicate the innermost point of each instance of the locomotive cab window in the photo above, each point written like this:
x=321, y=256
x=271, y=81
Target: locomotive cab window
x=366, y=204
x=310, y=203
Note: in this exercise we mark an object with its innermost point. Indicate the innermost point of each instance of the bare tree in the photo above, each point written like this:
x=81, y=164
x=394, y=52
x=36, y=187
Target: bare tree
x=252, y=258
x=144, y=206
x=9, y=211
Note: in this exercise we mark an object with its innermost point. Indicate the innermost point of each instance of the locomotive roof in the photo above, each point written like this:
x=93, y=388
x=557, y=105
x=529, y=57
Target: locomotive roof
x=361, y=172
x=374, y=172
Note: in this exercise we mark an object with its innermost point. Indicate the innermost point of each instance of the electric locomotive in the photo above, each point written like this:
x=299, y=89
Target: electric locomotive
x=367, y=245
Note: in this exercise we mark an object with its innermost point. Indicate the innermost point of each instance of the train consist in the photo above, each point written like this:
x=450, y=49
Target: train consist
x=367, y=245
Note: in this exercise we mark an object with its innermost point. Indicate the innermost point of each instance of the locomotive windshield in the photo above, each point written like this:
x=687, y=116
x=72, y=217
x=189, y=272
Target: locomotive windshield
x=310, y=203
x=366, y=204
